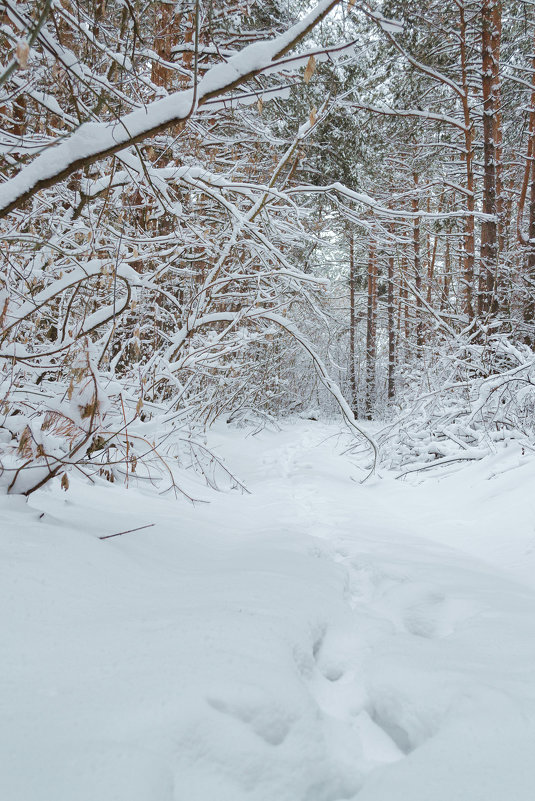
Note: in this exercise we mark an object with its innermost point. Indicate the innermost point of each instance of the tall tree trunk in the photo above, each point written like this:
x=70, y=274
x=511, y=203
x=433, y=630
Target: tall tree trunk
x=529, y=278
x=468, y=157
x=404, y=322
x=447, y=277
x=352, y=326
x=498, y=135
x=433, y=258
x=528, y=311
x=417, y=267
x=371, y=343
x=487, y=301
x=391, y=324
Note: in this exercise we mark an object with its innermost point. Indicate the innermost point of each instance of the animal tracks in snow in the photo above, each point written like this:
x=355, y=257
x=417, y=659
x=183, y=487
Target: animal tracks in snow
x=404, y=682
x=338, y=688
x=396, y=609
x=349, y=682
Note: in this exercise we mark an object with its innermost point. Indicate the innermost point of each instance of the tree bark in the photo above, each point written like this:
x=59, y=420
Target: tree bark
x=391, y=326
x=487, y=300
x=498, y=134
x=468, y=157
x=417, y=267
x=352, y=327
x=528, y=311
x=371, y=330
x=529, y=277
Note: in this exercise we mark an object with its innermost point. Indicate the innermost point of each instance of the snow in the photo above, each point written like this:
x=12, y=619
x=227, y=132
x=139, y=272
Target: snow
x=316, y=640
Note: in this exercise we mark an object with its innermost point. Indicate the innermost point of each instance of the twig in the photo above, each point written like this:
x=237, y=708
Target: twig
x=130, y=530
x=126, y=437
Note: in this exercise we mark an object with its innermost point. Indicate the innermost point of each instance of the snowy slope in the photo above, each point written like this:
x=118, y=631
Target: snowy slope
x=316, y=640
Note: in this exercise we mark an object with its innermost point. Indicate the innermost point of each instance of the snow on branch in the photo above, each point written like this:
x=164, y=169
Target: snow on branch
x=371, y=203
x=95, y=140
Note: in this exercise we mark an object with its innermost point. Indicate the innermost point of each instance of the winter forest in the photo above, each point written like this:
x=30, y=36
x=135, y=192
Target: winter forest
x=267, y=400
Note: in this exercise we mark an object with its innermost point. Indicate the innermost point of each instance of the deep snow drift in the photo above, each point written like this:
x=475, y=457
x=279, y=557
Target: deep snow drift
x=316, y=640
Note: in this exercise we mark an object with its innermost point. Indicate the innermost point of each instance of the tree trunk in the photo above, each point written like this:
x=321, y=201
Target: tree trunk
x=529, y=278
x=352, y=327
x=417, y=268
x=371, y=345
x=391, y=324
x=498, y=136
x=528, y=310
x=447, y=277
x=487, y=301
x=468, y=157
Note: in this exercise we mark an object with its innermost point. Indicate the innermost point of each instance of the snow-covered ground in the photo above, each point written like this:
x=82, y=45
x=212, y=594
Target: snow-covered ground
x=316, y=640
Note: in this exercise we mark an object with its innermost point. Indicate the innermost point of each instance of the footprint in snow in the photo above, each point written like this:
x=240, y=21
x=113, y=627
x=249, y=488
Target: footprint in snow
x=254, y=708
x=429, y=613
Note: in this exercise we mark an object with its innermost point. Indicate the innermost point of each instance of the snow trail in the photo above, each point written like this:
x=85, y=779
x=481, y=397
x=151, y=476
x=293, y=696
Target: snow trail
x=317, y=640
